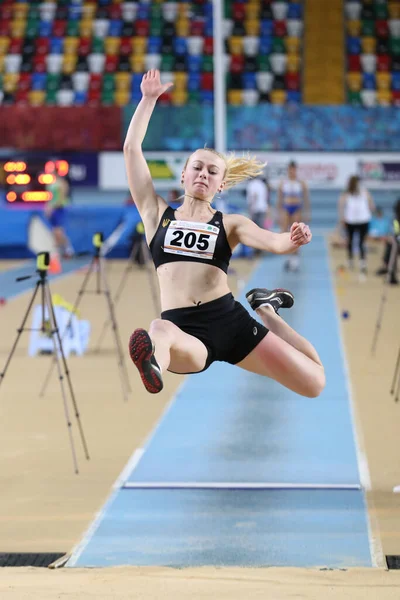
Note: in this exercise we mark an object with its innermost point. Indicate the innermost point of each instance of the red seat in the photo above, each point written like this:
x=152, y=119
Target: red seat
x=396, y=97
x=237, y=63
x=95, y=81
x=21, y=97
x=292, y=81
x=59, y=28
x=382, y=28
x=111, y=63
x=93, y=97
x=383, y=62
x=115, y=11
x=24, y=82
x=84, y=46
x=42, y=45
x=207, y=81
x=197, y=28
x=4, y=26
x=165, y=98
x=238, y=11
x=142, y=27
x=208, y=46
x=39, y=63
x=354, y=62
x=126, y=46
x=15, y=46
x=280, y=29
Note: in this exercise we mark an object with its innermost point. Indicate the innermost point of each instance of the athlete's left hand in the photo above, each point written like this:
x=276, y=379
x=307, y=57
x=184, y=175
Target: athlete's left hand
x=300, y=234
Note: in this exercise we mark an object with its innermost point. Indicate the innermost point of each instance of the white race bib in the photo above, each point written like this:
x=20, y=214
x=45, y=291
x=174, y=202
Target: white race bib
x=191, y=239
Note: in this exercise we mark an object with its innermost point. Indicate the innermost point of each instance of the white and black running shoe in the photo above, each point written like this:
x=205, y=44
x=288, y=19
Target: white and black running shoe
x=278, y=298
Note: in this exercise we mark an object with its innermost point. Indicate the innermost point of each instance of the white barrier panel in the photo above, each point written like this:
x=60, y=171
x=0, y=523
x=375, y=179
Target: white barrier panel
x=74, y=339
x=322, y=170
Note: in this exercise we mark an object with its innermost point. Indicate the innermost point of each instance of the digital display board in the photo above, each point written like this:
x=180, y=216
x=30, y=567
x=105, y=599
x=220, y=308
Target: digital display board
x=27, y=180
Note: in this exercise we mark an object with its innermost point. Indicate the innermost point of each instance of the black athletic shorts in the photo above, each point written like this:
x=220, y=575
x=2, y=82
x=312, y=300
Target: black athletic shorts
x=223, y=325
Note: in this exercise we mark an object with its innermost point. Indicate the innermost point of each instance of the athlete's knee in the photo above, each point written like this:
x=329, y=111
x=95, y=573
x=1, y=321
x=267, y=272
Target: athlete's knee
x=161, y=326
x=315, y=384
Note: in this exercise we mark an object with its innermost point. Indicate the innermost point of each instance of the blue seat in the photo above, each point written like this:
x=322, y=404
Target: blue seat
x=136, y=81
x=56, y=45
x=265, y=46
x=396, y=81
x=39, y=81
x=266, y=27
x=208, y=28
x=45, y=28
x=295, y=11
x=104, y=2
x=115, y=28
x=293, y=96
x=206, y=97
x=249, y=81
x=194, y=82
x=353, y=45
x=180, y=46
x=143, y=12
x=136, y=96
x=194, y=63
x=369, y=81
x=208, y=9
x=75, y=12
x=154, y=44
x=80, y=98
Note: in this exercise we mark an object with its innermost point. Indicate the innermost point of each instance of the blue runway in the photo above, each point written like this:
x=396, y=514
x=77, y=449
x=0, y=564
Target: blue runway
x=243, y=472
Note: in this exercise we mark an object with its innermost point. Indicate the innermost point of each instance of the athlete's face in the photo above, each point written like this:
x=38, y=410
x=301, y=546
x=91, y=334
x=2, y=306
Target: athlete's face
x=204, y=175
x=292, y=172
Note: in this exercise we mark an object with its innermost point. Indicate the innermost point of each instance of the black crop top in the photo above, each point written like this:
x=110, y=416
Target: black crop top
x=185, y=241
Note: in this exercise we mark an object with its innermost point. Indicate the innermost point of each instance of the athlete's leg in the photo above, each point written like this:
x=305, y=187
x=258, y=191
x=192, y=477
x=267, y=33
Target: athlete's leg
x=286, y=356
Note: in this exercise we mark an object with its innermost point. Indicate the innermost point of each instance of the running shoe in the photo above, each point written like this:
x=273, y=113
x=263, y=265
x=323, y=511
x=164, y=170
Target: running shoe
x=141, y=351
x=278, y=298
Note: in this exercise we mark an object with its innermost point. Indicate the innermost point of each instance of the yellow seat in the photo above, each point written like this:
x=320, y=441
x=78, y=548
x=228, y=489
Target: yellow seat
x=137, y=63
x=122, y=81
x=86, y=28
x=235, y=97
x=354, y=80
x=384, y=97
x=292, y=45
x=368, y=44
x=10, y=81
x=89, y=10
x=69, y=63
x=139, y=45
x=180, y=81
x=182, y=27
x=71, y=45
x=111, y=45
x=36, y=97
x=394, y=10
x=179, y=97
x=4, y=43
x=293, y=63
x=252, y=10
x=354, y=27
x=122, y=97
x=20, y=10
x=2, y=57
x=383, y=81
x=17, y=28
x=252, y=26
x=278, y=96
x=183, y=9
x=235, y=44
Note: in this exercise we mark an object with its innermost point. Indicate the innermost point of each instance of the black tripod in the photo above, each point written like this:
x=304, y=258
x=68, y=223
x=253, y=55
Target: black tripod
x=49, y=318
x=97, y=265
x=139, y=256
x=395, y=389
x=391, y=272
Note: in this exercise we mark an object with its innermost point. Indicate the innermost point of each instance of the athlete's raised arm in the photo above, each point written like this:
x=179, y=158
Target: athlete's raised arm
x=138, y=173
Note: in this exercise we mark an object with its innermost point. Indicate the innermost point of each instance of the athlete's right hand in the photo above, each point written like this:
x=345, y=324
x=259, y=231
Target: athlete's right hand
x=151, y=86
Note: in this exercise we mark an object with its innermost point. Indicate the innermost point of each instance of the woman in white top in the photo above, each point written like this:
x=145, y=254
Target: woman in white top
x=355, y=212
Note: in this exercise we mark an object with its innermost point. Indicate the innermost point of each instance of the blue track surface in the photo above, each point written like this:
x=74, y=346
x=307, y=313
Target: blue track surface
x=229, y=429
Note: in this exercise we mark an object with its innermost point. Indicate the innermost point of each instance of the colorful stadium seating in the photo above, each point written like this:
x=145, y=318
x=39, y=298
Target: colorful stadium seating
x=80, y=52
x=373, y=52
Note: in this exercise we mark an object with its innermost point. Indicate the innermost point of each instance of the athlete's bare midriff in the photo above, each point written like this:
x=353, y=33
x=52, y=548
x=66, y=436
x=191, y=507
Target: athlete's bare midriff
x=186, y=284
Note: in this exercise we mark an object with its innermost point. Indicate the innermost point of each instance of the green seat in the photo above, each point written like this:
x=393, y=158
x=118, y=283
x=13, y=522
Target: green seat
x=107, y=97
x=33, y=12
x=168, y=62
x=227, y=9
x=32, y=28
x=108, y=82
x=354, y=98
x=381, y=11
x=368, y=27
x=193, y=98
x=156, y=26
x=53, y=82
x=98, y=45
x=72, y=28
x=278, y=45
x=207, y=64
x=155, y=12
x=394, y=46
x=263, y=63
x=51, y=96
